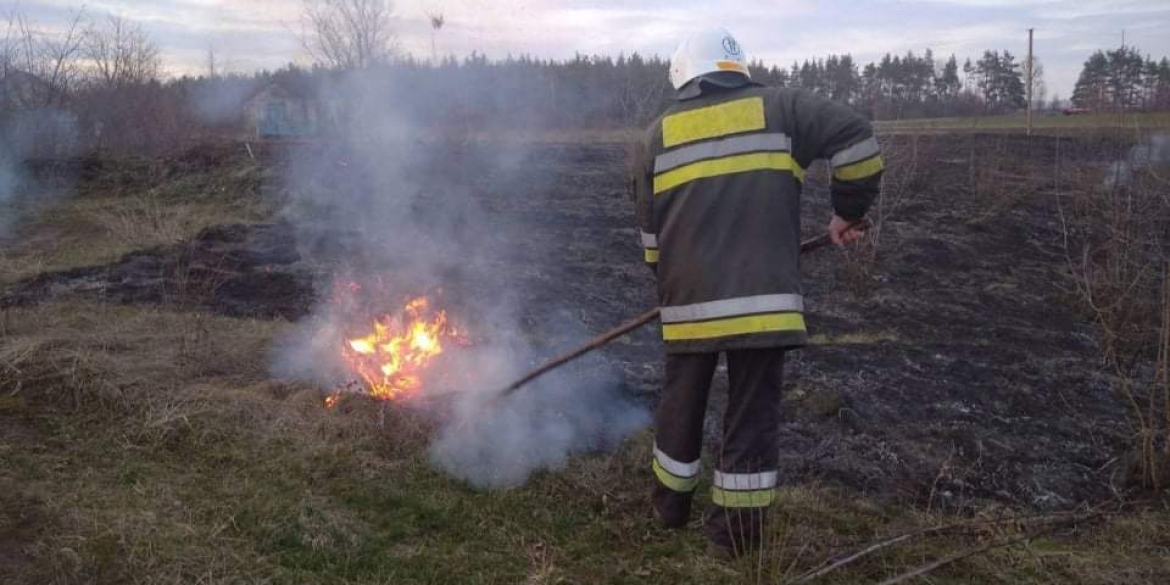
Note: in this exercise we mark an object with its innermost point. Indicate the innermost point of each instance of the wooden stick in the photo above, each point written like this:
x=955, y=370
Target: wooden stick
x=594, y=344
x=604, y=339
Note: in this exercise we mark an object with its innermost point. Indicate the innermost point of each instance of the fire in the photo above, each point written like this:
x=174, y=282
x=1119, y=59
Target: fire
x=392, y=358
x=332, y=399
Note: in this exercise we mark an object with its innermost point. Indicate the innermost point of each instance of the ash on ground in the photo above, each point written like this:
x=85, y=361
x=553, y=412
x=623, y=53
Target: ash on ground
x=962, y=374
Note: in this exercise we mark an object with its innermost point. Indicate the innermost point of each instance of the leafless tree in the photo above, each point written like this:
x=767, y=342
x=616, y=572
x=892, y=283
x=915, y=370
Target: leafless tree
x=121, y=53
x=1039, y=88
x=348, y=34
x=9, y=46
x=54, y=60
x=40, y=70
x=9, y=56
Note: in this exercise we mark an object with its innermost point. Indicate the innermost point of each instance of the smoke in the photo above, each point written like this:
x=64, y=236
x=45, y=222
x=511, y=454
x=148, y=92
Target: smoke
x=392, y=210
x=34, y=133
x=1155, y=152
x=219, y=101
x=498, y=443
x=10, y=183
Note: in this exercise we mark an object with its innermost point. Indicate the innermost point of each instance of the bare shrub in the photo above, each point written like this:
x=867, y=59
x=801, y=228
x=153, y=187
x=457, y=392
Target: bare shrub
x=903, y=177
x=145, y=220
x=1117, y=251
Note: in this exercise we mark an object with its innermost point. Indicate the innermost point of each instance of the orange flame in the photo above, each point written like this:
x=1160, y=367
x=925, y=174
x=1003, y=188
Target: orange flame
x=332, y=399
x=392, y=358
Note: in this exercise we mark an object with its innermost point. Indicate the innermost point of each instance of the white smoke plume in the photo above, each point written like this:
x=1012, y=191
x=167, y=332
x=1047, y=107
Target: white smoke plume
x=407, y=208
x=1155, y=152
x=34, y=133
x=10, y=188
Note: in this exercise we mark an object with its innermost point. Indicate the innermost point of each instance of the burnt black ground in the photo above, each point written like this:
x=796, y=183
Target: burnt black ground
x=236, y=270
x=976, y=378
x=969, y=375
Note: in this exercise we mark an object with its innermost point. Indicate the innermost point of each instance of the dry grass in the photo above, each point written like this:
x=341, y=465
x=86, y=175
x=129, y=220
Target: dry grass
x=854, y=338
x=150, y=445
x=100, y=221
x=1117, y=252
x=1014, y=123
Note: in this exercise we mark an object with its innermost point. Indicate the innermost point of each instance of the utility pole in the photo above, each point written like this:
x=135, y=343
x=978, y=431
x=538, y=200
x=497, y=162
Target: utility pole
x=1030, y=81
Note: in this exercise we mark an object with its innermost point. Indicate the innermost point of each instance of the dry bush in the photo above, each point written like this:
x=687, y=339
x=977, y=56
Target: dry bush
x=144, y=220
x=1117, y=250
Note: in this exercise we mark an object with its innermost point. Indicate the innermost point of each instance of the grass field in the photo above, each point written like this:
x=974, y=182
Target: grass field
x=1046, y=123
x=148, y=444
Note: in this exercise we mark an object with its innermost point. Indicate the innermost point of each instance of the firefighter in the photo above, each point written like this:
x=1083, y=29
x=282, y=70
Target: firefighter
x=718, y=180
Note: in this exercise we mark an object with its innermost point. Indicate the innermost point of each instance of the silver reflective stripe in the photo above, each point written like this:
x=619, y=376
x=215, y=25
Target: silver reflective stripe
x=676, y=468
x=867, y=148
x=649, y=240
x=733, y=308
x=746, y=481
x=773, y=142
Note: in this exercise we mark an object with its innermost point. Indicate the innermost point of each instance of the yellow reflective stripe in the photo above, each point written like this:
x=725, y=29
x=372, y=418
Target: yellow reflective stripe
x=733, y=117
x=861, y=170
x=733, y=326
x=678, y=484
x=651, y=256
x=742, y=499
x=760, y=161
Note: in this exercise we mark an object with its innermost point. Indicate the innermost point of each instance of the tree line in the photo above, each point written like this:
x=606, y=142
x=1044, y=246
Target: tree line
x=99, y=83
x=1122, y=79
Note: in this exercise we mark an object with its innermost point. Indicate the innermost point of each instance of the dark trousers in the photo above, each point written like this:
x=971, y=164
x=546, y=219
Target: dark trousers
x=746, y=459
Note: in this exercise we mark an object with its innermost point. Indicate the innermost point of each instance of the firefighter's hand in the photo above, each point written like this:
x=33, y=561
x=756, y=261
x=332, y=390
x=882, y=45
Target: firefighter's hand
x=843, y=231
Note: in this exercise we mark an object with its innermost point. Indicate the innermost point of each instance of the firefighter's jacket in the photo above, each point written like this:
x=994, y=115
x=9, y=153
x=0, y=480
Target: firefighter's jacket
x=718, y=182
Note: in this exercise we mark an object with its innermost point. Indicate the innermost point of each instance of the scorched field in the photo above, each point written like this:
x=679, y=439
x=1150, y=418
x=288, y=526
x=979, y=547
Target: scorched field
x=249, y=364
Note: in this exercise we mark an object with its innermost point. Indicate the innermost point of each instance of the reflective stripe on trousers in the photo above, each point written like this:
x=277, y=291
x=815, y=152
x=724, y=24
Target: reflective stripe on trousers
x=674, y=474
x=744, y=490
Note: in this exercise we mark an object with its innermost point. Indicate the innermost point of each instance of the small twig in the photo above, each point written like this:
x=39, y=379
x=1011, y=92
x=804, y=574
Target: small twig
x=970, y=552
x=809, y=577
x=812, y=575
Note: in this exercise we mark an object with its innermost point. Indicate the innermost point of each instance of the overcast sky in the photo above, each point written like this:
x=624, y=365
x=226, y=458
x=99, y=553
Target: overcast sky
x=253, y=34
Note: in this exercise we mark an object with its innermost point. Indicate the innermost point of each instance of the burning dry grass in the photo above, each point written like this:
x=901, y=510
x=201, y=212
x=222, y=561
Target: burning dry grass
x=148, y=445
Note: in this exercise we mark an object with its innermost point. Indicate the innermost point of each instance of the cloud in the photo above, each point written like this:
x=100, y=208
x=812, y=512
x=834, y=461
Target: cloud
x=252, y=34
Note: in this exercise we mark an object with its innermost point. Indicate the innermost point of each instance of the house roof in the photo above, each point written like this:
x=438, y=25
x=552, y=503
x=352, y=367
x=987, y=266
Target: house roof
x=287, y=88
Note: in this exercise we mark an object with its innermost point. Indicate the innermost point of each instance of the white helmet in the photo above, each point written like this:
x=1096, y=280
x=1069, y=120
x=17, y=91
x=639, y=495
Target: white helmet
x=706, y=51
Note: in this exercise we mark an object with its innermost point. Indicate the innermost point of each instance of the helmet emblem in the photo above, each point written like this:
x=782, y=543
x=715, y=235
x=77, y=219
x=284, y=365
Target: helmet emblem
x=731, y=46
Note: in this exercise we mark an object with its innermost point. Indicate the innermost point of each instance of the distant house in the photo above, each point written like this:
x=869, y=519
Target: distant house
x=284, y=110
